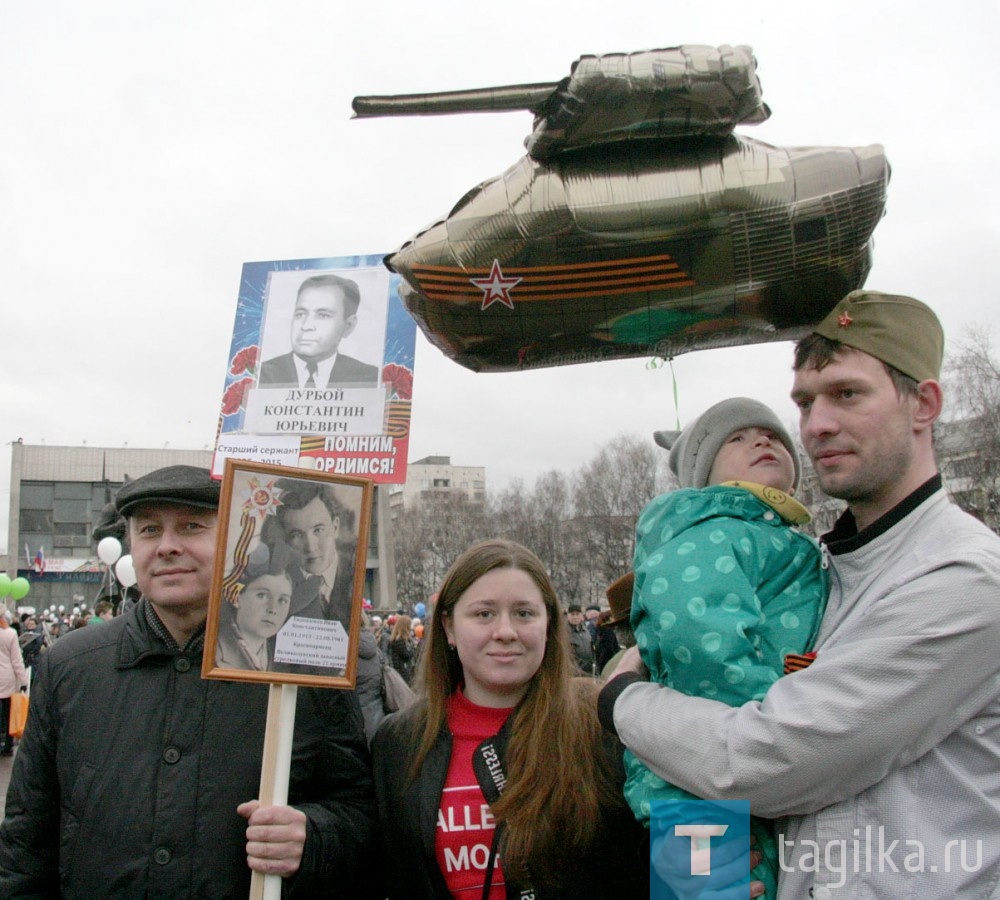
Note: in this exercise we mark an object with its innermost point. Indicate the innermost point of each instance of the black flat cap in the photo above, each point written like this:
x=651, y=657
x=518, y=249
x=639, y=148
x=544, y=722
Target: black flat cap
x=180, y=485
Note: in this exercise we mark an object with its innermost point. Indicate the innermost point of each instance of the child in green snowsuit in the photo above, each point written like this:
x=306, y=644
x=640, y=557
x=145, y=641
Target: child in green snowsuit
x=725, y=584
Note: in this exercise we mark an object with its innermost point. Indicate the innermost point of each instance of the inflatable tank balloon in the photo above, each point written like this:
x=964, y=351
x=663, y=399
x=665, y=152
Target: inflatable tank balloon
x=639, y=223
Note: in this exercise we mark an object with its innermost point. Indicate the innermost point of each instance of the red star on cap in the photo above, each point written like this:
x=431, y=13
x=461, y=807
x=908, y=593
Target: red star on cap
x=496, y=288
x=844, y=319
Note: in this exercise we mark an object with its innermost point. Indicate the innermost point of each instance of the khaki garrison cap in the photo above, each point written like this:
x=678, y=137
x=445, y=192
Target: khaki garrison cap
x=900, y=331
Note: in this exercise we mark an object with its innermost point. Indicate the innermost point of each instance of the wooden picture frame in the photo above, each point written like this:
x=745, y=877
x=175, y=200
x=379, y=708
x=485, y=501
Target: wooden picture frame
x=283, y=535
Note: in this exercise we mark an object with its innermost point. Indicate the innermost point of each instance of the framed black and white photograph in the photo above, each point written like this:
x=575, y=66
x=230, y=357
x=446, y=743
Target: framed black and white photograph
x=287, y=593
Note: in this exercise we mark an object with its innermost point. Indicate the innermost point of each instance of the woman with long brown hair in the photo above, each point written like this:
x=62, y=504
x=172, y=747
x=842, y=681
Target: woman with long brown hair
x=499, y=782
x=402, y=649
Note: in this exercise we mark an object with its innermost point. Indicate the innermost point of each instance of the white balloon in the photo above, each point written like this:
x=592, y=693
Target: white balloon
x=126, y=571
x=109, y=549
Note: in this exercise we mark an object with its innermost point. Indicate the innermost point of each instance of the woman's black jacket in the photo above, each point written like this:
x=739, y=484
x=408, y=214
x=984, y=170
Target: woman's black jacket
x=616, y=867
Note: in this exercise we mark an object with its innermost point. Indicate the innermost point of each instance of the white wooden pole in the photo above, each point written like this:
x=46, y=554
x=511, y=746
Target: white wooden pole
x=275, y=770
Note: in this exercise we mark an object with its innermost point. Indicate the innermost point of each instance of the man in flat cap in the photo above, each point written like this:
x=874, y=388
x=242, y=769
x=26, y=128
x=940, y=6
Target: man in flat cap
x=579, y=640
x=135, y=776
x=884, y=753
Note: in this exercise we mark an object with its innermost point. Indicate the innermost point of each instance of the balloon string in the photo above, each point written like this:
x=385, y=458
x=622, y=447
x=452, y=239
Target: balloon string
x=655, y=363
x=673, y=378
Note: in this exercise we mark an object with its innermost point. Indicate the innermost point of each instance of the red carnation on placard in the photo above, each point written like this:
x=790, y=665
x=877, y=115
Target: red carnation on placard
x=245, y=361
x=232, y=400
x=400, y=381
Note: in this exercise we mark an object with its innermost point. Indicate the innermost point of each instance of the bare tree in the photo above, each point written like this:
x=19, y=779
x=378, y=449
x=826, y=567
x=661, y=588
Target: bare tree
x=537, y=519
x=511, y=513
x=428, y=539
x=609, y=494
x=412, y=558
x=552, y=501
x=582, y=526
x=968, y=442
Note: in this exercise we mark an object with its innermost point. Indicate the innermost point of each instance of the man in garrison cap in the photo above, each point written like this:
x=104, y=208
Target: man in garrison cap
x=136, y=777
x=884, y=752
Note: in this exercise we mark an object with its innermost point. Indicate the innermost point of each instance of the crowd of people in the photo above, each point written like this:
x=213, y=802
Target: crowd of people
x=22, y=641
x=844, y=689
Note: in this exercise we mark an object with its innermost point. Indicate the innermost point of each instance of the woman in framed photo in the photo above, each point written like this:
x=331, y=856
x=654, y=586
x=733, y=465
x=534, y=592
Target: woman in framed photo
x=249, y=624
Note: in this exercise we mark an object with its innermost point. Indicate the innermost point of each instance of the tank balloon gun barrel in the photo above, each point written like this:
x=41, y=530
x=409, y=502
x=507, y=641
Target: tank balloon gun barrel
x=496, y=99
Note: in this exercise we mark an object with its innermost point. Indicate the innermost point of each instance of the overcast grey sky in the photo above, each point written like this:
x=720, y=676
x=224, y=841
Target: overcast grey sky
x=150, y=149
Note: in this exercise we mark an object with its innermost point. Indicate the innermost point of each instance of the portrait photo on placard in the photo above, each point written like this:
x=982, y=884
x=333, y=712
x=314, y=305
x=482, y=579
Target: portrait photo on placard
x=323, y=329
x=290, y=571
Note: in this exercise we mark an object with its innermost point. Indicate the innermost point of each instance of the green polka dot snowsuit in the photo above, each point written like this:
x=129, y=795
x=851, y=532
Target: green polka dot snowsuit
x=724, y=588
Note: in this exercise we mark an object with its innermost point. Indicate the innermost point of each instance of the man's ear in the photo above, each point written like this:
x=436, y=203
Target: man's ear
x=350, y=323
x=928, y=404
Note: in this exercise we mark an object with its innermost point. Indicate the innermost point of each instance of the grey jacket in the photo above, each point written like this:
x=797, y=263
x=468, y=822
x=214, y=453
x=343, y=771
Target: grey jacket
x=892, y=734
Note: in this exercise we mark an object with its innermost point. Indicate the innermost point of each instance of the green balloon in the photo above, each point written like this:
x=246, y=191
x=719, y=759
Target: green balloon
x=19, y=588
x=5, y=584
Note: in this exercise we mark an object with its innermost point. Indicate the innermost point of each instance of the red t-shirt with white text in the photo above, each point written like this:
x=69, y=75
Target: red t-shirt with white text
x=465, y=825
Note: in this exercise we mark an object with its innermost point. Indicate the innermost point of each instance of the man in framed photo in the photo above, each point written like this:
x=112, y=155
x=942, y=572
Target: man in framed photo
x=326, y=312
x=135, y=776
x=319, y=529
